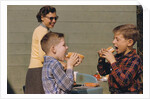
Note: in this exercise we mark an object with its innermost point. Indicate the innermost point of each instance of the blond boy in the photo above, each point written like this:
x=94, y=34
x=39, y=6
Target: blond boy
x=125, y=68
x=54, y=79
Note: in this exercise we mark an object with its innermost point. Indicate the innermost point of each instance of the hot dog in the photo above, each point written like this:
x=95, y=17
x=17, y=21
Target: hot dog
x=70, y=53
x=111, y=49
x=91, y=84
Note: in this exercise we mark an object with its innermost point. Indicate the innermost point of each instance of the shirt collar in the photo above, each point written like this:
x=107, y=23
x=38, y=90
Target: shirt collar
x=44, y=26
x=47, y=58
x=129, y=54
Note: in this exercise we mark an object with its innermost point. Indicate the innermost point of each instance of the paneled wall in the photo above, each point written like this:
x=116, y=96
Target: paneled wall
x=87, y=29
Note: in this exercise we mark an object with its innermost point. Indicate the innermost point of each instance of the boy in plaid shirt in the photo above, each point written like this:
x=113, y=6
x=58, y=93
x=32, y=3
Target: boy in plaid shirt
x=125, y=69
x=54, y=79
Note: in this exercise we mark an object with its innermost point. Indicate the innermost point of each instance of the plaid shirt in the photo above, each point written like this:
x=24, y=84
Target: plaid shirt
x=54, y=79
x=125, y=75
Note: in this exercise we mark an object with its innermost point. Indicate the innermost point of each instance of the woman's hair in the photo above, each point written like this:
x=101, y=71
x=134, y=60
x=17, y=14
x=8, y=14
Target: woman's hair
x=50, y=39
x=44, y=11
x=129, y=31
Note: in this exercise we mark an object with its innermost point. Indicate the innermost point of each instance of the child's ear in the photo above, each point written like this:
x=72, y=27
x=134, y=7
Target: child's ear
x=53, y=50
x=130, y=42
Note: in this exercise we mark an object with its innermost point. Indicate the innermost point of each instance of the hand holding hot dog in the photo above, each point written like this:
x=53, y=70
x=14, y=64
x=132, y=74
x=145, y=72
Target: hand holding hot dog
x=74, y=58
x=80, y=58
x=107, y=54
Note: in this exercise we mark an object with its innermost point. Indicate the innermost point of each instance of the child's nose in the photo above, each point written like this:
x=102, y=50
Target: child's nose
x=66, y=47
x=113, y=41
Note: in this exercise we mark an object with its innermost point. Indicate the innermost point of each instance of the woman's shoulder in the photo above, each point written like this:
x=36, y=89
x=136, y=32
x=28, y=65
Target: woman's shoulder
x=40, y=29
x=39, y=32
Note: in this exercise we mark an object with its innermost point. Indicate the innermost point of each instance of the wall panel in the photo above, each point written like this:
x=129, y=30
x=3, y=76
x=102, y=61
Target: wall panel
x=87, y=29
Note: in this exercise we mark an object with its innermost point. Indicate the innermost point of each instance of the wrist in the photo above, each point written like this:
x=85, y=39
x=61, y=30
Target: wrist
x=101, y=59
x=112, y=61
x=69, y=67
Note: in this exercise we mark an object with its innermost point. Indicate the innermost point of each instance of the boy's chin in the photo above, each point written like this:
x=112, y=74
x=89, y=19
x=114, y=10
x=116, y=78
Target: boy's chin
x=117, y=52
x=62, y=59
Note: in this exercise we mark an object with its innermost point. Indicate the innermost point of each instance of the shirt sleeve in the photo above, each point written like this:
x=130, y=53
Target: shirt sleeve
x=63, y=79
x=124, y=77
x=103, y=67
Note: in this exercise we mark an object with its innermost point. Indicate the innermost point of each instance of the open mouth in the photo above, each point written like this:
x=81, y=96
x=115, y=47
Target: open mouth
x=116, y=48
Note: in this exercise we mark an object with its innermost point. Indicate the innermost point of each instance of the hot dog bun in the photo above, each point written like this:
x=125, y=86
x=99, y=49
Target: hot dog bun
x=70, y=53
x=111, y=49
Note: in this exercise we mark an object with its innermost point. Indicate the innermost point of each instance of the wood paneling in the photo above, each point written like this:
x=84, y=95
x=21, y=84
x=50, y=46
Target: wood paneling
x=87, y=29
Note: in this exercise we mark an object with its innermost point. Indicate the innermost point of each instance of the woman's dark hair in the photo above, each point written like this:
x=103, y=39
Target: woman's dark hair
x=44, y=11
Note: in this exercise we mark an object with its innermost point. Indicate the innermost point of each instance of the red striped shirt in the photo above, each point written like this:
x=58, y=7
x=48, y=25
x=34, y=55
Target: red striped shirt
x=125, y=75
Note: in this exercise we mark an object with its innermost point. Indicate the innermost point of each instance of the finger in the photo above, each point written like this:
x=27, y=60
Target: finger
x=78, y=62
x=74, y=55
x=105, y=50
x=100, y=52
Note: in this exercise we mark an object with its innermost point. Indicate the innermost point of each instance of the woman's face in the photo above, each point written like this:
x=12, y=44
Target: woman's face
x=49, y=20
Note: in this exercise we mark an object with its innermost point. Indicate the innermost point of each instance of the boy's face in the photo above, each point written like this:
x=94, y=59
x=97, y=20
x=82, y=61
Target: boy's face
x=61, y=50
x=120, y=43
x=49, y=20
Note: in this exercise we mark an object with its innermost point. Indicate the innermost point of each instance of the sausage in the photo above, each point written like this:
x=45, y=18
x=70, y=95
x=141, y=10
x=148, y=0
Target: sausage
x=70, y=53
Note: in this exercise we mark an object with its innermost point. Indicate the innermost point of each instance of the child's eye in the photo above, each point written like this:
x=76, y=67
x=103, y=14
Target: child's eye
x=117, y=39
x=64, y=45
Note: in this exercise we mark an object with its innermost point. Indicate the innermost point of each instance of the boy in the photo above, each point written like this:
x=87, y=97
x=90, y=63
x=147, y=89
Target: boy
x=125, y=68
x=47, y=18
x=54, y=79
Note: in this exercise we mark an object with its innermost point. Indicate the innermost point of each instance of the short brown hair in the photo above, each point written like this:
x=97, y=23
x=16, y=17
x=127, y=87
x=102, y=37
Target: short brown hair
x=129, y=31
x=51, y=38
x=44, y=11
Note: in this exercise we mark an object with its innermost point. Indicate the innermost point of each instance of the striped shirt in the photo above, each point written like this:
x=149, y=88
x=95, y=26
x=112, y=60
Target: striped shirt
x=54, y=79
x=125, y=75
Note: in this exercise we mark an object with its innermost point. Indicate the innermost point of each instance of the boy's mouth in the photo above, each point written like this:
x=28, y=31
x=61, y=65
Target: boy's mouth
x=66, y=53
x=116, y=48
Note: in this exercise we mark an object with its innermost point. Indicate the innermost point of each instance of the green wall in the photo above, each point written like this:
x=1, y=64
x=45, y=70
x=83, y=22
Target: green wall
x=87, y=29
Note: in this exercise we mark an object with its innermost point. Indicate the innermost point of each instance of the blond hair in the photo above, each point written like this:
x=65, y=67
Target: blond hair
x=129, y=31
x=50, y=39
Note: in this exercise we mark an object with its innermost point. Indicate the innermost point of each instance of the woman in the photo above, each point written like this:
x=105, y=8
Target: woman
x=47, y=18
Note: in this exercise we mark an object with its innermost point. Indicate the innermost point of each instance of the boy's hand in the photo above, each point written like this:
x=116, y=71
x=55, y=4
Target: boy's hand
x=104, y=53
x=100, y=52
x=79, y=62
x=72, y=61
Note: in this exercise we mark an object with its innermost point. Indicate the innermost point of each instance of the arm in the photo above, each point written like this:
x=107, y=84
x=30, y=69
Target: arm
x=63, y=64
x=37, y=53
x=63, y=80
x=124, y=77
x=103, y=67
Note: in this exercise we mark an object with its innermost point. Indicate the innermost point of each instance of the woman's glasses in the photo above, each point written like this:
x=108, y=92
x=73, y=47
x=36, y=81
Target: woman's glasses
x=51, y=18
